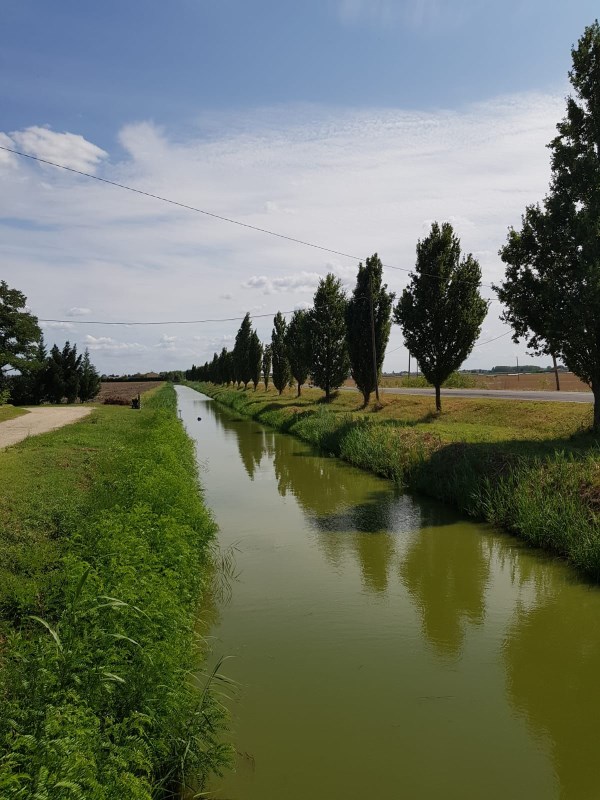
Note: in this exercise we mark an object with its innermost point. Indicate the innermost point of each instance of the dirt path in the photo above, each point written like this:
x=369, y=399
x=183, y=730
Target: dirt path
x=39, y=420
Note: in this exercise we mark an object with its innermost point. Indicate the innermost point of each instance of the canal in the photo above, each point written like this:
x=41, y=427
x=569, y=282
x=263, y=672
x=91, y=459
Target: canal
x=383, y=646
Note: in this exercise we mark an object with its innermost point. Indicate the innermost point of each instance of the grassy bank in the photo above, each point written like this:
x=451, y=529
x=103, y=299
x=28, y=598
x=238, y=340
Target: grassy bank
x=103, y=543
x=10, y=412
x=528, y=467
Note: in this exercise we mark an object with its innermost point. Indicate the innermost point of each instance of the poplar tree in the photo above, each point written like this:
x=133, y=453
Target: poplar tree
x=266, y=365
x=329, y=359
x=552, y=284
x=298, y=344
x=255, y=354
x=281, y=365
x=241, y=352
x=368, y=325
x=441, y=310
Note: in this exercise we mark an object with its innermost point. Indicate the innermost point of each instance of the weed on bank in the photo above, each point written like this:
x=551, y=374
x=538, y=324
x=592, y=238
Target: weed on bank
x=104, y=546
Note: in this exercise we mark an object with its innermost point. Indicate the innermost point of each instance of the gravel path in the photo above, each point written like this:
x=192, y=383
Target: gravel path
x=39, y=420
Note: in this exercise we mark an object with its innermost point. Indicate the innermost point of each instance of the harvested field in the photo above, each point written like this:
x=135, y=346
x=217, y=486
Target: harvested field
x=123, y=392
x=525, y=382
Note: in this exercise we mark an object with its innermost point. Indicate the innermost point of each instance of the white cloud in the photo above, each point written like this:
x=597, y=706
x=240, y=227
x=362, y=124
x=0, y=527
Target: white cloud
x=109, y=346
x=359, y=182
x=68, y=149
x=58, y=326
x=78, y=311
x=7, y=159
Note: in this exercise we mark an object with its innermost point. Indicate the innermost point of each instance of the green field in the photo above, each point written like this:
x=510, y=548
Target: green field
x=530, y=467
x=104, y=553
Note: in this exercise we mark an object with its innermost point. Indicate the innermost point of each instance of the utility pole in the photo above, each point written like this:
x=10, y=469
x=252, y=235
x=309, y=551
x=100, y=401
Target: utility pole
x=373, y=336
x=409, y=367
x=556, y=372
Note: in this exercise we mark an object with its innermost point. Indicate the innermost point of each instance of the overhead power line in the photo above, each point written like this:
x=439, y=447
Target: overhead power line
x=206, y=213
x=158, y=322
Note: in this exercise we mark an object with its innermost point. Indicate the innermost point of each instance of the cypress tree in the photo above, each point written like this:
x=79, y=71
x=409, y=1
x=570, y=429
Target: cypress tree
x=255, y=355
x=298, y=344
x=281, y=365
x=89, y=380
x=329, y=361
x=266, y=365
x=241, y=352
x=368, y=318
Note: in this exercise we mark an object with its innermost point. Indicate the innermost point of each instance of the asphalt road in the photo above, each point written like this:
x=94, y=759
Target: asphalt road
x=498, y=394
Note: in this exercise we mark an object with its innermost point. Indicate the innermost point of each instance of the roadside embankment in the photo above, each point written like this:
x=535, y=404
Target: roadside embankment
x=524, y=466
x=104, y=545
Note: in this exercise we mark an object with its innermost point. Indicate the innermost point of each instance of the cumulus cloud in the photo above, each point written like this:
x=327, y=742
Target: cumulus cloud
x=58, y=326
x=300, y=282
x=69, y=149
x=78, y=311
x=7, y=159
x=109, y=346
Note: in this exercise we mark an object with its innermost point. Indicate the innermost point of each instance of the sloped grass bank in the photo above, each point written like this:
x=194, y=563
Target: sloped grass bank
x=104, y=544
x=527, y=467
x=10, y=412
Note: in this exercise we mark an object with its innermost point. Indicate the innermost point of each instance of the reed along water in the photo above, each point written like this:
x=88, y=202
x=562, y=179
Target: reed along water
x=385, y=647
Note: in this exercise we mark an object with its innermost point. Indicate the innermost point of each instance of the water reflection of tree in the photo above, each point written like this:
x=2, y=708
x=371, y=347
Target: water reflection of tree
x=446, y=571
x=552, y=657
x=250, y=437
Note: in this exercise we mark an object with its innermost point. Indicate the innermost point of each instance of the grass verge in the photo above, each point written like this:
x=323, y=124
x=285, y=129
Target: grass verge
x=104, y=544
x=528, y=467
x=10, y=412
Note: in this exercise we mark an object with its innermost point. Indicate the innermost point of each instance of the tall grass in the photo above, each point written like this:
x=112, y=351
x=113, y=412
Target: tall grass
x=97, y=650
x=540, y=490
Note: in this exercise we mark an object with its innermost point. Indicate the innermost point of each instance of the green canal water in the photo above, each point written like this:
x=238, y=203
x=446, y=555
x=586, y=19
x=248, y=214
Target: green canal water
x=383, y=646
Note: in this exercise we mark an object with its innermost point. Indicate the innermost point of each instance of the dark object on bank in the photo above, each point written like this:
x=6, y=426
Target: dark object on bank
x=136, y=402
x=199, y=418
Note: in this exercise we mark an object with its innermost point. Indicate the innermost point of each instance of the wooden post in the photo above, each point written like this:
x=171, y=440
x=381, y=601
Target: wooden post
x=556, y=372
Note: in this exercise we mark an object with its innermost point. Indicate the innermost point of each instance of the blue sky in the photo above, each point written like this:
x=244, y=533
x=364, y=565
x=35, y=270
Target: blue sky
x=346, y=122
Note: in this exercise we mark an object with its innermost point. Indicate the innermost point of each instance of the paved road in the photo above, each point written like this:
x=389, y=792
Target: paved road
x=39, y=420
x=498, y=394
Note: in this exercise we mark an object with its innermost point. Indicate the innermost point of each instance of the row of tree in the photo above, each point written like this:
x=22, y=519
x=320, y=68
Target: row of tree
x=28, y=373
x=440, y=311
x=551, y=289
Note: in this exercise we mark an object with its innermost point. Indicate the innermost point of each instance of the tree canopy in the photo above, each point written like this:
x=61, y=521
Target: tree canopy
x=281, y=365
x=368, y=318
x=298, y=344
x=441, y=310
x=19, y=331
x=551, y=289
x=329, y=362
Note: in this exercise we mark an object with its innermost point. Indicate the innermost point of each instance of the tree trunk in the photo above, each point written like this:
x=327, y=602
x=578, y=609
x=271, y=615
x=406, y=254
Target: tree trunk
x=366, y=398
x=299, y=389
x=596, y=391
x=438, y=398
x=556, y=372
